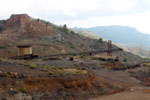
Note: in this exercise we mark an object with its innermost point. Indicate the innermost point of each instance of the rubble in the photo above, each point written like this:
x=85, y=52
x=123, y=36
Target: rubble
x=12, y=75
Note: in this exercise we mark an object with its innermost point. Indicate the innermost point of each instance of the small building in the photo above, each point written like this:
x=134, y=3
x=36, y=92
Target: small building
x=24, y=50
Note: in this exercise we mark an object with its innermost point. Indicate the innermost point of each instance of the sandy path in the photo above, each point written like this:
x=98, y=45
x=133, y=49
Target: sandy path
x=135, y=95
x=138, y=92
x=117, y=76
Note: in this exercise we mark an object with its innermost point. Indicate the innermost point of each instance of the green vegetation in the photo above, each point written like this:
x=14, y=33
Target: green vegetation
x=81, y=45
x=83, y=55
x=73, y=73
x=125, y=60
x=1, y=28
x=23, y=90
x=4, y=21
x=50, y=72
x=71, y=47
x=54, y=70
x=33, y=66
x=65, y=26
x=65, y=30
x=100, y=85
x=72, y=32
x=4, y=47
x=46, y=22
x=147, y=59
x=100, y=40
x=61, y=72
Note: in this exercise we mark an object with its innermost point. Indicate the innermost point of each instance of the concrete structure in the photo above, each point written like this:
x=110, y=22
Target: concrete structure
x=24, y=50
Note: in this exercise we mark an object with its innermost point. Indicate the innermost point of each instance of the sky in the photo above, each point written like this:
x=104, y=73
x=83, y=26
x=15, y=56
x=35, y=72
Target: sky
x=83, y=13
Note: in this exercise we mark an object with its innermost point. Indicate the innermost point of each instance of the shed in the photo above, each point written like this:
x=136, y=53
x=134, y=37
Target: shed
x=24, y=50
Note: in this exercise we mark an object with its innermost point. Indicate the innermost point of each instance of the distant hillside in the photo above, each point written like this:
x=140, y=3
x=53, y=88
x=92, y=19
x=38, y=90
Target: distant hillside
x=121, y=34
x=130, y=39
x=87, y=34
x=136, y=49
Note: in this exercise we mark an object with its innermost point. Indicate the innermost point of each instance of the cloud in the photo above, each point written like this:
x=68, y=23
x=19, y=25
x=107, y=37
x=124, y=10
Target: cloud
x=140, y=21
x=83, y=12
x=122, y=5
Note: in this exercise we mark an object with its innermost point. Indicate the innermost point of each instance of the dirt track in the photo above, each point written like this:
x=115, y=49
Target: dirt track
x=135, y=95
x=136, y=90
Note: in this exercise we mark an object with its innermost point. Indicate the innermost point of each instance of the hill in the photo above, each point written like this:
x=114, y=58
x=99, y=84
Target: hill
x=47, y=38
x=128, y=38
x=136, y=49
x=87, y=33
x=23, y=26
x=121, y=34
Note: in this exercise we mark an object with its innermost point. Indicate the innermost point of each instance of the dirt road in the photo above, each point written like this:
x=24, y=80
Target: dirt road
x=136, y=91
x=135, y=95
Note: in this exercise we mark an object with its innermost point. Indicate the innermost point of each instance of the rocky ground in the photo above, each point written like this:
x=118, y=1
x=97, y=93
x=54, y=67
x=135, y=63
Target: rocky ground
x=81, y=78
x=44, y=80
x=78, y=79
x=134, y=95
x=137, y=79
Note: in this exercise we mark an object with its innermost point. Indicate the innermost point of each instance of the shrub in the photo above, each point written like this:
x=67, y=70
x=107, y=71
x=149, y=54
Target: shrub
x=47, y=67
x=72, y=32
x=81, y=45
x=83, y=55
x=4, y=21
x=61, y=68
x=51, y=73
x=100, y=40
x=72, y=73
x=71, y=47
x=78, y=68
x=78, y=72
x=61, y=72
x=65, y=30
x=65, y=26
x=33, y=66
x=23, y=89
x=75, y=73
x=147, y=59
x=1, y=28
x=100, y=85
x=125, y=60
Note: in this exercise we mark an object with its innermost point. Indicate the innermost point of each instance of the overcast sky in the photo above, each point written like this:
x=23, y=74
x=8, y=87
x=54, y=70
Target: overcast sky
x=83, y=13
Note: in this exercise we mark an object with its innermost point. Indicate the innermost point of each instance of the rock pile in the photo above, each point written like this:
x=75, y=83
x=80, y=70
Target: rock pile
x=12, y=75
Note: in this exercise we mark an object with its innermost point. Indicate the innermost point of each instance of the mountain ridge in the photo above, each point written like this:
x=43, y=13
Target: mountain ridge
x=121, y=34
x=128, y=38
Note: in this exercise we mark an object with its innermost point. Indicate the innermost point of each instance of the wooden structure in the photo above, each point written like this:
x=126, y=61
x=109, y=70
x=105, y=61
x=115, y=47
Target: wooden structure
x=24, y=50
x=80, y=54
x=31, y=56
x=109, y=47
